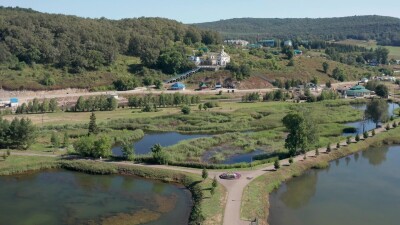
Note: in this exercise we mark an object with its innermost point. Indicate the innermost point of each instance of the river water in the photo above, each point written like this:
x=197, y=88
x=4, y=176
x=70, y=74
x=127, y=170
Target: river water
x=362, y=189
x=64, y=197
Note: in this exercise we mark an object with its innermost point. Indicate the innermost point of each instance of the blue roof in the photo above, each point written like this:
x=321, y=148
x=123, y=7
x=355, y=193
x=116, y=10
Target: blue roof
x=178, y=85
x=14, y=100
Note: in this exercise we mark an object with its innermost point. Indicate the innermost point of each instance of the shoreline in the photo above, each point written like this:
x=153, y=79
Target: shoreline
x=271, y=181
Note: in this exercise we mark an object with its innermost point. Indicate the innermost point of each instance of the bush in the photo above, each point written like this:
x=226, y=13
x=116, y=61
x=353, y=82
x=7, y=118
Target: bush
x=204, y=174
x=338, y=145
x=186, y=110
x=394, y=125
x=348, y=140
x=316, y=152
x=277, y=164
x=357, y=138
x=328, y=148
x=365, y=134
x=387, y=127
x=373, y=132
x=291, y=160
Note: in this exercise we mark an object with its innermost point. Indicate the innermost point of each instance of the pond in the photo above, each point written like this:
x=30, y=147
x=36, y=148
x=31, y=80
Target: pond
x=367, y=125
x=362, y=189
x=143, y=146
x=65, y=197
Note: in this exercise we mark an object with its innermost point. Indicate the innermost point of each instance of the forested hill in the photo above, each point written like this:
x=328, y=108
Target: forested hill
x=383, y=29
x=78, y=44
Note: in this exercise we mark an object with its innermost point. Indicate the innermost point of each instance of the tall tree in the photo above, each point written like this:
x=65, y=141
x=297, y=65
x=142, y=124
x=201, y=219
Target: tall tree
x=325, y=67
x=382, y=91
x=377, y=111
x=296, y=138
x=93, y=128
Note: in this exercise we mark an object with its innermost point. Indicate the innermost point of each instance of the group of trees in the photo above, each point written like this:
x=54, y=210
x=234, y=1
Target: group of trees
x=38, y=107
x=162, y=100
x=277, y=95
x=79, y=44
x=251, y=97
x=351, y=54
x=239, y=72
x=98, y=103
x=383, y=29
x=20, y=133
x=380, y=89
x=93, y=146
x=377, y=111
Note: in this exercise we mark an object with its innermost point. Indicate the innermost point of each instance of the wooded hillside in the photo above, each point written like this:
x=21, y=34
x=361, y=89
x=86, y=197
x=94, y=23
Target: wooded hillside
x=384, y=29
x=78, y=44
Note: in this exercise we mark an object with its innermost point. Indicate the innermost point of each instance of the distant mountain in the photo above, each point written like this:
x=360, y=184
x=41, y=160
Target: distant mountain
x=381, y=28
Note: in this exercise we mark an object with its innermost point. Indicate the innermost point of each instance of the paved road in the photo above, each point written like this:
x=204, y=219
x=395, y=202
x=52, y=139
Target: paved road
x=235, y=188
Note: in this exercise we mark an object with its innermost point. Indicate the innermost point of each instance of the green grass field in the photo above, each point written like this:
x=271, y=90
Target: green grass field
x=394, y=50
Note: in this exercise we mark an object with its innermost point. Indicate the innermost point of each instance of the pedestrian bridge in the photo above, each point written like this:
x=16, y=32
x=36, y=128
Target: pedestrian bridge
x=189, y=73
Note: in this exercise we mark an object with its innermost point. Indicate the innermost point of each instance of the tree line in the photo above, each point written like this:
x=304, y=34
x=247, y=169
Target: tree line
x=19, y=134
x=35, y=106
x=98, y=103
x=162, y=100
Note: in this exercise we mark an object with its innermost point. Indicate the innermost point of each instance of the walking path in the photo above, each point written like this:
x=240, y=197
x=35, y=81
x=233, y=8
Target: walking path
x=235, y=188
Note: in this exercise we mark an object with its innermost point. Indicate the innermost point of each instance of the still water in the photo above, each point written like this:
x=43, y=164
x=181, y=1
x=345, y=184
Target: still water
x=65, y=197
x=362, y=189
x=367, y=125
x=144, y=145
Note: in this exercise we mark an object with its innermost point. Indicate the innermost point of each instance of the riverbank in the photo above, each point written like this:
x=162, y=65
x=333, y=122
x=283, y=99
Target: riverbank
x=205, y=206
x=255, y=197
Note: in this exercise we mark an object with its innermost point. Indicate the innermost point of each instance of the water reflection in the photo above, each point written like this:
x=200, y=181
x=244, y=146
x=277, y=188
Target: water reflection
x=363, y=191
x=376, y=157
x=300, y=191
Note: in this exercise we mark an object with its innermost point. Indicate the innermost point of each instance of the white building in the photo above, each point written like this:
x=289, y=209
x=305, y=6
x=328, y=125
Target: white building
x=218, y=59
x=237, y=42
x=288, y=43
x=195, y=59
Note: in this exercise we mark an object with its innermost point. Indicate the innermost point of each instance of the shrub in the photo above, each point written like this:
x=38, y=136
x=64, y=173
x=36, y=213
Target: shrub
x=186, y=110
x=394, y=125
x=316, y=152
x=338, y=145
x=290, y=160
x=365, y=134
x=277, y=164
x=387, y=127
x=373, y=132
x=204, y=174
x=357, y=138
x=328, y=148
x=348, y=140
x=214, y=183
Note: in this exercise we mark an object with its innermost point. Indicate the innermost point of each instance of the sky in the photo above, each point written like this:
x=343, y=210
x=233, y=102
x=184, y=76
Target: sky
x=189, y=11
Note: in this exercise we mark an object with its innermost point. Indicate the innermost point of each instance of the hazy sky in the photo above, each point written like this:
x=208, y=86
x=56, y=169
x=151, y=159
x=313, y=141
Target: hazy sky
x=192, y=11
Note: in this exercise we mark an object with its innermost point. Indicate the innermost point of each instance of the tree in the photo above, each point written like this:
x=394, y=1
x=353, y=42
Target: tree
x=55, y=140
x=382, y=91
x=185, y=110
x=365, y=135
x=337, y=145
x=53, y=105
x=214, y=183
x=291, y=160
x=200, y=106
x=35, y=105
x=128, y=150
x=102, y=147
x=93, y=129
x=328, y=148
x=66, y=140
x=328, y=84
x=204, y=173
x=325, y=67
x=373, y=132
x=297, y=132
x=377, y=111
x=338, y=74
x=317, y=152
x=44, y=107
x=277, y=164
x=357, y=138
x=80, y=104
x=159, y=156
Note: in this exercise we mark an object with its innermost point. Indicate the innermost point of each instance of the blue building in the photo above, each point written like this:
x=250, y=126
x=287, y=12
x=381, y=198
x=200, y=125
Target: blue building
x=267, y=43
x=178, y=86
x=14, y=102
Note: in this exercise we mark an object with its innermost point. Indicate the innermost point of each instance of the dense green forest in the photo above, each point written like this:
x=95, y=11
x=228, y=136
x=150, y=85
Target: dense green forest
x=386, y=30
x=76, y=45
